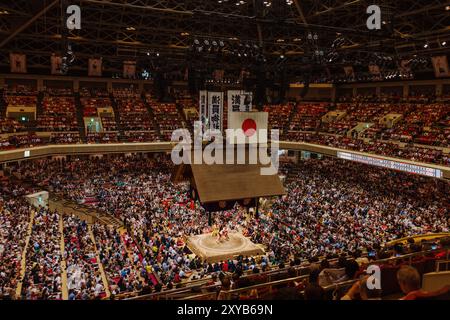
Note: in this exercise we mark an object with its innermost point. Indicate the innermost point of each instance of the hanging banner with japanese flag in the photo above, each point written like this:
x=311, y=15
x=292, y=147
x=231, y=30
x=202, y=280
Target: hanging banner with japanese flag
x=349, y=72
x=218, y=75
x=129, y=69
x=405, y=67
x=95, y=67
x=440, y=64
x=250, y=123
x=18, y=63
x=55, y=64
x=215, y=104
x=374, y=69
x=204, y=110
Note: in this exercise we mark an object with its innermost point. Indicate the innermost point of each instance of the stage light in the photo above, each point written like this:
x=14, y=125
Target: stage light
x=425, y=45
x=444, y=43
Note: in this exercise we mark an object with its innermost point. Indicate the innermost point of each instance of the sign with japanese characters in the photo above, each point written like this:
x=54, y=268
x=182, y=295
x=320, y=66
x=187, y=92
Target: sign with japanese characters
x=215, y=104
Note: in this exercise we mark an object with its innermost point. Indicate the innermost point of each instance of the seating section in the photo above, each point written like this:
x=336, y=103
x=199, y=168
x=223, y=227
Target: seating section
x=278, y=115
x=14, y=223
x=91, y=101
x=119, y=265
x=18, y=97
x=11, y=126
x=421, y=122
x=307, y=116
x=84, y=281
x=65, y=138
x=58, y=114
x=427, y=124
x=42, y=280
x=167, y=117
x=21, y=141
x=133, y=113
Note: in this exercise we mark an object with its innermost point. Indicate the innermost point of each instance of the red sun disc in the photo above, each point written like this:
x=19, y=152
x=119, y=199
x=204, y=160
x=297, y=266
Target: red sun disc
x=249, y=127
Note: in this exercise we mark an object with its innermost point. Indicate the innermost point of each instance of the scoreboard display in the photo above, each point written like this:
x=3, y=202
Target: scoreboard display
x=395, y=165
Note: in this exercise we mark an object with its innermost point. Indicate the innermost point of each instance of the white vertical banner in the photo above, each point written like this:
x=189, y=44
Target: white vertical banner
x=215, y=104
x=234, y=102
x=203, y=100
x=246, y=102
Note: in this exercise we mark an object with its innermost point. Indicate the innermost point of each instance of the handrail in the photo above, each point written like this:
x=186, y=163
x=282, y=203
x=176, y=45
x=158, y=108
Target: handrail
x=409, y=256
x=445, y=262
x=203, y=296
x=163, y=295
x=419, y=237
x=269, y=285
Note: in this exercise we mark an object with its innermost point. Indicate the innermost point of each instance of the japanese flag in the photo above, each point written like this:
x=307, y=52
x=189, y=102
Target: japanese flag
x=249, y=122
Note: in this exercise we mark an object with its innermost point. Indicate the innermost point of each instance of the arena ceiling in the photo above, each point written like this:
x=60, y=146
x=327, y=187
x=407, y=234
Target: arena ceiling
x=277, y=34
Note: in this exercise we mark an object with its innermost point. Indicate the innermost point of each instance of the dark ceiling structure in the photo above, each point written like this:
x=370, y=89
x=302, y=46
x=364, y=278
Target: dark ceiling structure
x=287, y=37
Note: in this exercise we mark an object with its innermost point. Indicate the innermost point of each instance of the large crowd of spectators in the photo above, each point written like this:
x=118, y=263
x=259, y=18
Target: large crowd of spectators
x=332, y=207
x=15, y=215
x=42, y=279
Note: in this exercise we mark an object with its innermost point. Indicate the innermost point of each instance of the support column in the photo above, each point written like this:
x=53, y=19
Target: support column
x=333, y=93
x=76, y=85
x=405, y=91
x=109, y=86
x=439, y=89
x=40, y=84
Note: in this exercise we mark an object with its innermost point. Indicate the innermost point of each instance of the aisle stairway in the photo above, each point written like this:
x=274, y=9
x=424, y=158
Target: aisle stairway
x=65, y=293
x=24, y=255
x=152, y=116
x=100, y=264
x=116, y=114
x=39, y=107
x=182, y=116
x=80, y=118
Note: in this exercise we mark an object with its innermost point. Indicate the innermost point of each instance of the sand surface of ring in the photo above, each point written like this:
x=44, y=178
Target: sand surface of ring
x=210, y=249
x=235, y=242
